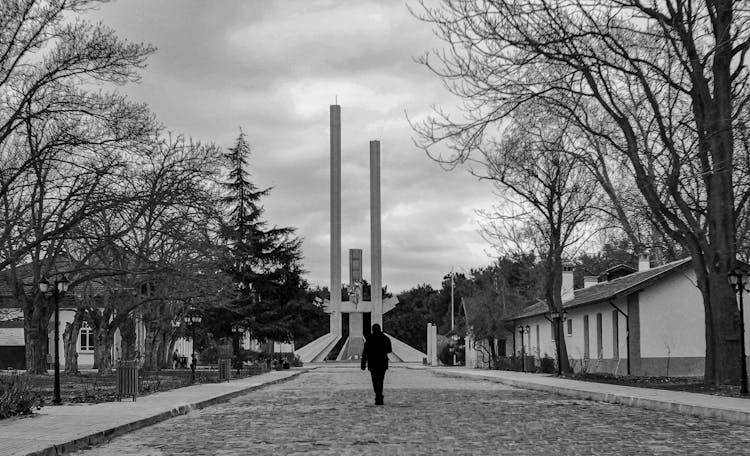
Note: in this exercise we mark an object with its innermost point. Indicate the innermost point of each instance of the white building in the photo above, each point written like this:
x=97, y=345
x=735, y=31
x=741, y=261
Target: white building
x=12, y=343
x=648, y=322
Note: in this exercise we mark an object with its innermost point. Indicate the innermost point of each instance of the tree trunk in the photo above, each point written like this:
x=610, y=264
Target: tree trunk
x=165, y=351
x=562, y=349
x=103, y=341
x=153, y=346
x=722, y=363
x=168, y=354
x=493, y=353
x=36, y=349
x=35, y=325
x=127, y=339
x=553, y=294
x=70, y=339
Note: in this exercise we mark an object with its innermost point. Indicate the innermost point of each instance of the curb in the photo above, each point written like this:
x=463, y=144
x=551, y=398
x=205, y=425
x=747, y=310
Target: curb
x=108, y=434
x=732, y=416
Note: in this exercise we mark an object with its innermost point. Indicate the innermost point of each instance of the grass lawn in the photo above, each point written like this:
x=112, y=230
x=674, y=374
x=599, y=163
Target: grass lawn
x=687, y=384
x=90, y=387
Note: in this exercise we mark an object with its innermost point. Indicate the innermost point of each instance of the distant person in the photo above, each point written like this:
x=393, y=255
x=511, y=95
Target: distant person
x=175, y=359
x=375, y=358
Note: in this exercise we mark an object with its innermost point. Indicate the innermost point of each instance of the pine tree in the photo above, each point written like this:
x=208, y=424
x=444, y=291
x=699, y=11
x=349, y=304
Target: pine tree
x=264, y=262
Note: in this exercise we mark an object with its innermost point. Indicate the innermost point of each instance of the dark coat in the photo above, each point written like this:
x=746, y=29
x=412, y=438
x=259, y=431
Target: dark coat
x=375, y=353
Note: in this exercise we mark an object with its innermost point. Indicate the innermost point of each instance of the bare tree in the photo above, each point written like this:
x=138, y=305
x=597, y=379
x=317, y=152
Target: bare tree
x=60, y=146
x=669, y=76
x=542, y=187
x=145, y=259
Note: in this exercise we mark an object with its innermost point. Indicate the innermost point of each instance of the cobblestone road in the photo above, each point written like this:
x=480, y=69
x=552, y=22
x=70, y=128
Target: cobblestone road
x=329, y=412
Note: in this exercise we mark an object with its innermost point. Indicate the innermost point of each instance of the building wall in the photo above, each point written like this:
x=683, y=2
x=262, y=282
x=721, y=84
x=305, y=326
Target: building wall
x=537, y=341
x=11, y=337
x=667, y=332
x=603, y=360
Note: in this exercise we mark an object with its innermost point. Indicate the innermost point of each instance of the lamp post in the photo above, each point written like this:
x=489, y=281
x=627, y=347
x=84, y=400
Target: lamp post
x=521, y=330
x=60, y=288
x=237, y=332
x=446, y=277
x=557, y=319
x=451, y=277
x=739, y=282
x=192, y=319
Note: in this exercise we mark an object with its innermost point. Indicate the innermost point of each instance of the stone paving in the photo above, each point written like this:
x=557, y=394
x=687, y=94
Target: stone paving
x=329, y=411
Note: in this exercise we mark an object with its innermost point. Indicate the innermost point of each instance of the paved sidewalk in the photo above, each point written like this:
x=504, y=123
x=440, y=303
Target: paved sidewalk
x=60, y=429
x=733, y=409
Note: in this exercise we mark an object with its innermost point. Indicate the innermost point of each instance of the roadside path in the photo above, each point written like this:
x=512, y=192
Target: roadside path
x=64, y=428
x=733, y=409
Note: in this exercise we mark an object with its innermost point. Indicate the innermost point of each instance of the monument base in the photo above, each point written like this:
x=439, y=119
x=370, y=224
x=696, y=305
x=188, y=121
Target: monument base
x=317, y=351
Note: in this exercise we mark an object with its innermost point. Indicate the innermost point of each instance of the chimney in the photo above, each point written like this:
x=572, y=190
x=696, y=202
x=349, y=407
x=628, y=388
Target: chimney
x=567, y=282
x=644, y=262
x=589, y=281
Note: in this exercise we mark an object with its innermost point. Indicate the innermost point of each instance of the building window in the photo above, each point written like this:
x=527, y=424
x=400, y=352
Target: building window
x=599, y=343
x=615, y=335
x=570, y=328
x=86, y=338
x=586, y=353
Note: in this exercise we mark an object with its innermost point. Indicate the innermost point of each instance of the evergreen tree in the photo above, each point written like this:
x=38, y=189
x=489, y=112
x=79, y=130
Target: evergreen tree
x=264, y=262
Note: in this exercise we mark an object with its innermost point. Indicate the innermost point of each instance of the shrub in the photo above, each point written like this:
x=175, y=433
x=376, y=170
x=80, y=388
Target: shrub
x=509, y=363
x=547, y=364
x=249, y=355
x=16, y=397
x=209, y=356
x=291, y=358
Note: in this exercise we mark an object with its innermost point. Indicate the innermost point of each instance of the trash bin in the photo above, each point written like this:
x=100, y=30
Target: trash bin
x=127, y=379
x=225, y=369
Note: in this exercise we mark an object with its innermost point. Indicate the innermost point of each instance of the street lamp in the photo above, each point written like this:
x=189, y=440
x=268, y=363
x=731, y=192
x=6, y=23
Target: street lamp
x=237, y=332
x=192, y=319
x=59, y=290
x=557, y=319
x=451, y=276
x=739, y=282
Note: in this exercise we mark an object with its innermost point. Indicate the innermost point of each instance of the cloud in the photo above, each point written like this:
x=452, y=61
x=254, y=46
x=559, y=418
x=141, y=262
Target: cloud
x=273, y=70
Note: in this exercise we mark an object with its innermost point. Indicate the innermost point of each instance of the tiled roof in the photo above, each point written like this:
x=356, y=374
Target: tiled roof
x=608, y=290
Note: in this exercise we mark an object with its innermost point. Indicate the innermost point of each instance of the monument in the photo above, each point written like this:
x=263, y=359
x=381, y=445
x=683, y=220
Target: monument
x=360, y=314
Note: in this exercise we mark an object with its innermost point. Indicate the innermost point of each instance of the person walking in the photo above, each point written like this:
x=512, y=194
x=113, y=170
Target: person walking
x=375, y=358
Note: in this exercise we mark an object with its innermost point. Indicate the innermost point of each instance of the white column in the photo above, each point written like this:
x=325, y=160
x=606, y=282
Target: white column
x=335, y=288
x=432, y=344
x=375, y=257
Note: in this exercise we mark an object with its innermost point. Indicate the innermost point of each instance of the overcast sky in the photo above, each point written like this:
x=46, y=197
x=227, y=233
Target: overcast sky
x=273, y=68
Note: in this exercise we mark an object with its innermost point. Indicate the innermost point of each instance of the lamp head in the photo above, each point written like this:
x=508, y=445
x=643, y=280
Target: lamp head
x=62, y=284
x=44, y=285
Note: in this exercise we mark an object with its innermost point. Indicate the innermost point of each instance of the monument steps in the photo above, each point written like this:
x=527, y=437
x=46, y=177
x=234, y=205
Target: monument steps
x=318, y=350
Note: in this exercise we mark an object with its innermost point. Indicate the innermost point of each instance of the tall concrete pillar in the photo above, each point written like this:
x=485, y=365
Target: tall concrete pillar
x=335, y=289
x=376, y=261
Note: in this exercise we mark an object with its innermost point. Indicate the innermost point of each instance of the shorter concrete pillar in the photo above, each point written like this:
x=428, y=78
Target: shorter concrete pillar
x=432, y=344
